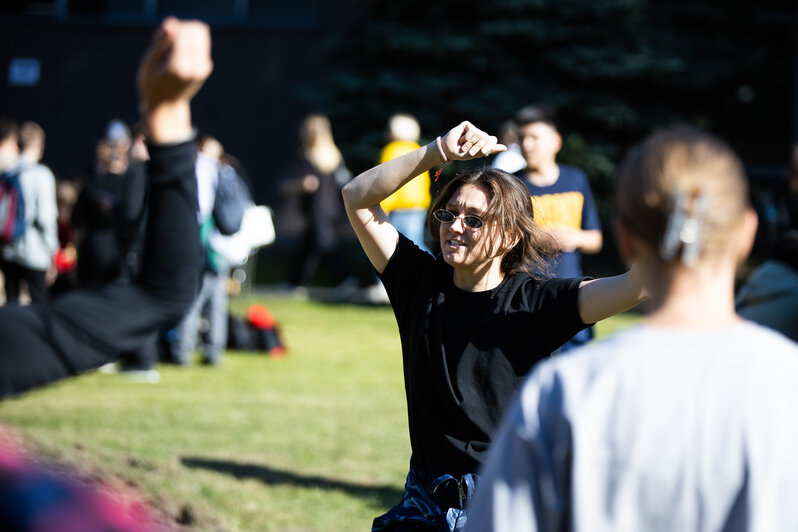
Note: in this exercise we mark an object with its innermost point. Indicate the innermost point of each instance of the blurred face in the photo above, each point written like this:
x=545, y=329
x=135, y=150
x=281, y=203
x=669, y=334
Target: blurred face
x=461, y=245
x=539, y=143
x=9, y=150
x=314, y=128
x=213, y=148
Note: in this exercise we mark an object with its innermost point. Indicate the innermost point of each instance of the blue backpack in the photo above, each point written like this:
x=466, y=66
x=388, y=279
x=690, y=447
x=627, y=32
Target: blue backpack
x=232, y=198
x=12, y=207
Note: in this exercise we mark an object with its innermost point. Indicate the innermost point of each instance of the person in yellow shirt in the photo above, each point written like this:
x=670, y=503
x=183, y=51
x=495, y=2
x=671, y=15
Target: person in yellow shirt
x=407, y=207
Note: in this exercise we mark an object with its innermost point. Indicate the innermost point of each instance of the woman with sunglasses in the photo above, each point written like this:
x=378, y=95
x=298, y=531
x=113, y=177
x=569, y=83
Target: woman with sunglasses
x=473, y=321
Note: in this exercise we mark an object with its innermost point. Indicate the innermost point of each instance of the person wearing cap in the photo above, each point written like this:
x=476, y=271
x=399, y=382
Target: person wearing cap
x=104, y=218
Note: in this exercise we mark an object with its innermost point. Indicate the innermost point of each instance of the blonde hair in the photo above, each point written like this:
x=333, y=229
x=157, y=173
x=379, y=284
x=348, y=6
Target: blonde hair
x=682, y=166
x=404, y=127
x=318, y=146
x=29, y=133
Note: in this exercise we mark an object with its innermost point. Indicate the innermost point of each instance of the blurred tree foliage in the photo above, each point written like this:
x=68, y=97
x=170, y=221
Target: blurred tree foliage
x=616, y=69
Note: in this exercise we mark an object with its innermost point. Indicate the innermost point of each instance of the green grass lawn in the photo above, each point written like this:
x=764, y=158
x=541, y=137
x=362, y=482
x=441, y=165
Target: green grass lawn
x=315, y=441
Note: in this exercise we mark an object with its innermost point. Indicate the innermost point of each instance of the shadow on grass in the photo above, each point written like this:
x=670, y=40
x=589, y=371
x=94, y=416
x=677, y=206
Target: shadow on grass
x=382, y=496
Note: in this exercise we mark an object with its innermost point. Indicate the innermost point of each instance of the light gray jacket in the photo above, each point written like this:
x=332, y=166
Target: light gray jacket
x=36, y=247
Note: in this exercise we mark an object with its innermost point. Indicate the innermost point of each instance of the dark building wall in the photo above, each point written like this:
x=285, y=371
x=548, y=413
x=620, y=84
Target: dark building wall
x=251, y=102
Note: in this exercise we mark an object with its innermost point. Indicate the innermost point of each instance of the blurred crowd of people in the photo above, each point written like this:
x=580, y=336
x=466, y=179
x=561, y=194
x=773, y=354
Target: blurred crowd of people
x=88, y=230
x=561, y=193
x=681, y=422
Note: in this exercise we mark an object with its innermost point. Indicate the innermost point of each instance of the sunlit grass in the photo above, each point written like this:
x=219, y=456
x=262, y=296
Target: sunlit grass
x=316, y=441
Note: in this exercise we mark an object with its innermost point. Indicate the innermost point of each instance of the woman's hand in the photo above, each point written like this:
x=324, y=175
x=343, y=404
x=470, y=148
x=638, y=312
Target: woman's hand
x=465, y=141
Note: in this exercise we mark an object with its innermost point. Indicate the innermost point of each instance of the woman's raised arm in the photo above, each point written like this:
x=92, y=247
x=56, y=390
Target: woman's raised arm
x=362, y=195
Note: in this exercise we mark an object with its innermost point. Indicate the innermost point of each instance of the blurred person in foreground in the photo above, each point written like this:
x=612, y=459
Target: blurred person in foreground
x=89, y=327
x=29, y=259
x=44, y=497
x=683, y=422
x=86, y=328
x=472, y=321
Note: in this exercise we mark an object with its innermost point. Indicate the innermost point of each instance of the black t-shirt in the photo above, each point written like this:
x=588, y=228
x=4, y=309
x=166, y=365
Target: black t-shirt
x=466, y=353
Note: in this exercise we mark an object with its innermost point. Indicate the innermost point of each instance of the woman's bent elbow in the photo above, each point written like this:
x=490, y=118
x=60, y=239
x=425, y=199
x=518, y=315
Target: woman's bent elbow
x=347, y=192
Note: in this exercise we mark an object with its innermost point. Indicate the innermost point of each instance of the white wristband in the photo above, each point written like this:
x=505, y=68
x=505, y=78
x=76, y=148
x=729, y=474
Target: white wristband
x=440, y=149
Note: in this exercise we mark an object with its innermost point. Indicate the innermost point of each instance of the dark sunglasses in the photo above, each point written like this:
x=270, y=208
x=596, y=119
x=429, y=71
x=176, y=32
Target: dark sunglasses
x=447, y=217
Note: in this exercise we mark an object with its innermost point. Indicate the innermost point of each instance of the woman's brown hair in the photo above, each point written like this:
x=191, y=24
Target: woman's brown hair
x=509, y=217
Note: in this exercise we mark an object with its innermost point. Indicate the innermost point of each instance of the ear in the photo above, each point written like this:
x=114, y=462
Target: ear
x=624, y=241
x=747, y=234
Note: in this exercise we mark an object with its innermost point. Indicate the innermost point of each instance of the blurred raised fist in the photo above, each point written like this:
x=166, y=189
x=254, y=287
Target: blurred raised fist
x=176, y=64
